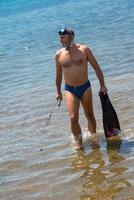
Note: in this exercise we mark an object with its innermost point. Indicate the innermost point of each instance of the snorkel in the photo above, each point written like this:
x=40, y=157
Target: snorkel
x=70, y=32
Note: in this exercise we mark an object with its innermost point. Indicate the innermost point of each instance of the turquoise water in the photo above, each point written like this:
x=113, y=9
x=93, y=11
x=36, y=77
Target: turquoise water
x=37, y=159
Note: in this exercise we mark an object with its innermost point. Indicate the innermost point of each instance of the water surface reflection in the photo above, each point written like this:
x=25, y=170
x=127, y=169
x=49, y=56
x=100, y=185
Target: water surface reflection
x=103, y=171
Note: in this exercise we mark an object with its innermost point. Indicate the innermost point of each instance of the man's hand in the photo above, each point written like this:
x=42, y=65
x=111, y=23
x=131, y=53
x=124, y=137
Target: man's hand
x=104, y=90
x=59, y=98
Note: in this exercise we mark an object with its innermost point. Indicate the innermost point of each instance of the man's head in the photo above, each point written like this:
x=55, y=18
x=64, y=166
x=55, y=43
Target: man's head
x=66, y=37
x=65, y=31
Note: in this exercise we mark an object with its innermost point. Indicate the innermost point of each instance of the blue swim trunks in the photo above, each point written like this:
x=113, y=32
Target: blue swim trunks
x=78, y=91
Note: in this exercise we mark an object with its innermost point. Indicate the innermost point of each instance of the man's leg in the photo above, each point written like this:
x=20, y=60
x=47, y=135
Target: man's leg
x=88, y=109
x=73, y=105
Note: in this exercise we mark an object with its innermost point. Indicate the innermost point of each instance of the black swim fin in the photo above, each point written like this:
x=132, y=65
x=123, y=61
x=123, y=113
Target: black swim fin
x=110, y=120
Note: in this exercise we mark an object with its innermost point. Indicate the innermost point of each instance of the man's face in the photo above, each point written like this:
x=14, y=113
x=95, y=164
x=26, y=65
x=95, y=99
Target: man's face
x=64, y=39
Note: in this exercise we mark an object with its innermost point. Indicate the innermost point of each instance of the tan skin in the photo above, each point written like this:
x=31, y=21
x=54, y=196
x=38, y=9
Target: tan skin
x=73, y=64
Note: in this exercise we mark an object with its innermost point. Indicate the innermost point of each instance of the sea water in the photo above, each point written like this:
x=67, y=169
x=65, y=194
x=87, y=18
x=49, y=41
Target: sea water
x=37, y=158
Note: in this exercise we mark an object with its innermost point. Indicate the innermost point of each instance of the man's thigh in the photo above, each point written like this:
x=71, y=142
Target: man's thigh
x=87, y=103
x=72, y=103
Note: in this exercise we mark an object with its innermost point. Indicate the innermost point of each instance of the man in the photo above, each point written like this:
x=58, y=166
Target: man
x=72, y=61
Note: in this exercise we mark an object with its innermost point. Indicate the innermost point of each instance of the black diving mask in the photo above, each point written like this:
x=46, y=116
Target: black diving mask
x=64, y=31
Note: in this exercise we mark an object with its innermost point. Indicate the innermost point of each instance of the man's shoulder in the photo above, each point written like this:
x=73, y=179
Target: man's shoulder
x=83, y=46
x=59, y=51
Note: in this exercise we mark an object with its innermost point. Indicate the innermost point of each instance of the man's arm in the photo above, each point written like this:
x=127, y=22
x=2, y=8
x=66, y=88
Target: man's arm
x=58, y=80
x=97, y=69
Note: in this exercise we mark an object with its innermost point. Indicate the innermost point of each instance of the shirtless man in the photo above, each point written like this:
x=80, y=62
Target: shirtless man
x=72, y=61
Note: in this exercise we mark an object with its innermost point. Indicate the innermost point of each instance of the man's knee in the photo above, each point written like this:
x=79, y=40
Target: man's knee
x=74, y=119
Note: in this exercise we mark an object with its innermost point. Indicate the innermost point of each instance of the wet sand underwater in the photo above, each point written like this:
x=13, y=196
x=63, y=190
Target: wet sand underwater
x=57, y=172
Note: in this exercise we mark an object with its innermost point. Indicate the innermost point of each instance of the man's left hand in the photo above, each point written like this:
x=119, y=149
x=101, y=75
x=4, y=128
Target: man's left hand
x=104, y=90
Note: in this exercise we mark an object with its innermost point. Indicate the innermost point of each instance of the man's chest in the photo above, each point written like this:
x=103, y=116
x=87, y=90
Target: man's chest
x=68, y=59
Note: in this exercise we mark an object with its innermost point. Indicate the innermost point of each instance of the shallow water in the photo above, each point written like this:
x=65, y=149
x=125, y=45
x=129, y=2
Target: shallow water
x=38, y=160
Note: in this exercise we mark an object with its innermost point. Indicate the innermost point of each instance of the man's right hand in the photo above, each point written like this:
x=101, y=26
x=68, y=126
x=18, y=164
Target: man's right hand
x=59, y=98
